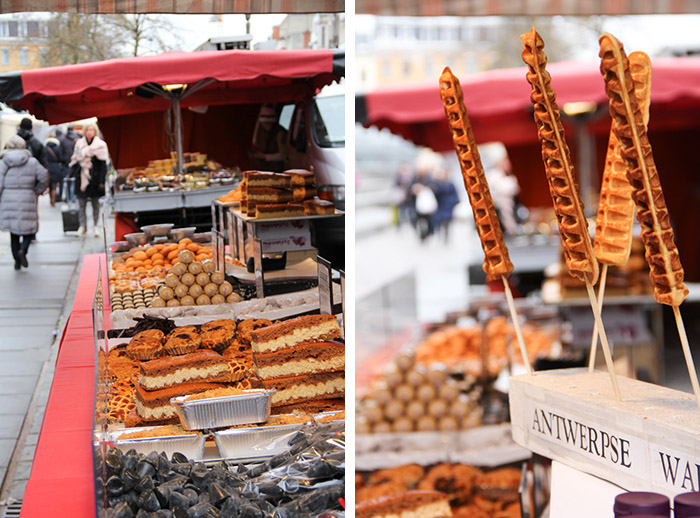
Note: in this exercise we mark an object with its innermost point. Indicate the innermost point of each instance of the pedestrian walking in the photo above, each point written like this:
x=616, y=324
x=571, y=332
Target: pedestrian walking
x=89, y=168
x=447, y=199
x=68, y=143
x=22, y=180
x=55, y=165
x=25, y=130
x=269, y=146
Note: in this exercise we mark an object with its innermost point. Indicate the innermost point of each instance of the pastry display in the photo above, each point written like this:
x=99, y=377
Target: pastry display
x=182, y=340
x=303, y=192
x=316, y=206
x=157, y=431
x=275, y=210
x=426, y=504
x=496, y=261
x=296, y=331
x=266, y=195
x=573, y=227
x=263, y=179
x=200, y=366
x=146, y=345
x=218, y=335
x=301, y=177
x=293, y=390
x=154, y=405
x=309, y=358
x=666, y=271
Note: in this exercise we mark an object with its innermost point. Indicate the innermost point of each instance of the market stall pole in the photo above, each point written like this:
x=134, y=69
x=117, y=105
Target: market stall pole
x=497, y=263
x=573, y=228
x=612, y=242
x=661, y=252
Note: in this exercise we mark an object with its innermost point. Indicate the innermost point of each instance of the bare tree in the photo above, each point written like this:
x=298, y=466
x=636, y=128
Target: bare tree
x=143, y=33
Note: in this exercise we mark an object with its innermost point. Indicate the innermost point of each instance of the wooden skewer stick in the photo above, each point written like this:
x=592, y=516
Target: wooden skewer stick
x=603, y=339
x=594, y=338
x=516, y=325
x=688, y=355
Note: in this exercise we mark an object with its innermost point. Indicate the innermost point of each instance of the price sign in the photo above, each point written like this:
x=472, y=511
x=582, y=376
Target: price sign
x=325, y=286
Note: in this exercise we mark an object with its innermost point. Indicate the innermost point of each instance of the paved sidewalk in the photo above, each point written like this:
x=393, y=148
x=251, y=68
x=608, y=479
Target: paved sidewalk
x=34, y=305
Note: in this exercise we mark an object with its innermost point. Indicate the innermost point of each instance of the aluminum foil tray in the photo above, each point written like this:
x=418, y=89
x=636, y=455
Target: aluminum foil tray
x=192, y=446
x=263, y=441
x=200, y=414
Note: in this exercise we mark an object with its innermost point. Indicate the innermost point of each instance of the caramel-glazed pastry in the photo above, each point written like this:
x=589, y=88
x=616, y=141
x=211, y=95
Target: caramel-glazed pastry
x=496, y=262
x=613, y=229
x=573, y=227
x=661, y=253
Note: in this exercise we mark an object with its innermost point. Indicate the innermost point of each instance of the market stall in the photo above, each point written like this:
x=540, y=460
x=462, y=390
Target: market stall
x=205, y=102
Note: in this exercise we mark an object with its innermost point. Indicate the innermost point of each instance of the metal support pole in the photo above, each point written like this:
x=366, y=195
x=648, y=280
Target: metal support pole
x=178, y=133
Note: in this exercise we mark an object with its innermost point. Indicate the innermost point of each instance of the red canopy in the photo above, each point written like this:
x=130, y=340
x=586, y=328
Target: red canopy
x=115, y=87
x=499, y=104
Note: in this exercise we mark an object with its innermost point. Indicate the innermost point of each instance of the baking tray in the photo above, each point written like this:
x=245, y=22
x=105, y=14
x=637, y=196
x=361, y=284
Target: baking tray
x=200, y=414
x=260, y=441
x=192, y=446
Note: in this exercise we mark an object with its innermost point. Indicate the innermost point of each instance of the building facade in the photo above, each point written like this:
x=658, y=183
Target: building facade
x=307, y=31
x=21, y=43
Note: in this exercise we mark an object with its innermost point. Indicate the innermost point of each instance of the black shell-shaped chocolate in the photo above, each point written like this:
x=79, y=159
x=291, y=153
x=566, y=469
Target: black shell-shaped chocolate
x=204, y=497
x=278, y=460
x=179, y=512
x=199, y=475
x=217, y=493
x=202, y=511
x=115, y=486
x=175, y=483
x=250, y=491
x=191, y=495
x=162, y=493
x=144, y=514
x=233, y=480
x=145, y=469
x=130, y=479
x=130, y=460
x=250, y=510
x=230, y=507
x=164, y=513
x=149, y=501
x=297, y=437
x=152, y=458
x=178, y=499
x=99, y=489
x=163, y=465
x=145, y=484
x=132, y=497
x=242, y=469
x=256, y=471
x=183, y=469
x=271, y=490
x=179, y=458
x=113, y=462
x=320, y=469
x=122, y=510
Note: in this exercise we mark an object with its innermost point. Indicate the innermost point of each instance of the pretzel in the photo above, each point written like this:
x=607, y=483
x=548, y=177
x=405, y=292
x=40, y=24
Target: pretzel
x=573, y=227
x=613, y=229
x=661, y=253
x=496, y=261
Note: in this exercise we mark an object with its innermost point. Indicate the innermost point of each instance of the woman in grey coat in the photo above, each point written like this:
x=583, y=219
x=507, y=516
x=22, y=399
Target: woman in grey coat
x=22, y=179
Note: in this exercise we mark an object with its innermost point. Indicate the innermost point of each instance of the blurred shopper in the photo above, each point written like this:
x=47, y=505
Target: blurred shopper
x=269, y=146
x=33, y=144
x=55, y=165
x=503, y=186
x=22, y=180
x=427, y=163
x=404, y=201
x=447, y=200
x=89, y=168
x=68, y=143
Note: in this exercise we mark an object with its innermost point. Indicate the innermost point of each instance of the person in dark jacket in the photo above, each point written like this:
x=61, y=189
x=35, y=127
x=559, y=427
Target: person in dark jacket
x=89, y=168
x=68, y=143
x=54, y=162
x=269, y=146
x=447, y=198
x=22, y=179
x=33, y=144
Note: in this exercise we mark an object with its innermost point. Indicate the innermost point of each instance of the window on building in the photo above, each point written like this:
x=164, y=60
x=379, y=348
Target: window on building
x=5, y=56
x=12, y=29
x=23, y=56
x=32, y=29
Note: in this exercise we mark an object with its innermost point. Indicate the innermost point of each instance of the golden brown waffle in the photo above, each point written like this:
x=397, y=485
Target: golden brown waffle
x=573, y=227
x=496, y=261
x=661, y=253
x=613, y=230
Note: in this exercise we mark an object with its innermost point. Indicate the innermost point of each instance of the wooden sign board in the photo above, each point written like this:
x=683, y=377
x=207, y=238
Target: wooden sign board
x=648, y=442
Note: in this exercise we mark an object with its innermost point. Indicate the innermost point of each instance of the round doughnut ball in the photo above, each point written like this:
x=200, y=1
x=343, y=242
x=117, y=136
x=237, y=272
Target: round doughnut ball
x=208, y=266
x=202, y=278
x=448, y=392
x=404, y=361
x=448, y=424
x=187, y=300
x=181, y=290
x=393, y=378
x=173, y=303
x=179, y=269
x=403, y=424
x=218, y=299
x=415, y=409
x=195, y=268
x=394, y=409
x=211, y=289
x=373, y=414
x=187, y=279
x=186, y=256
x=361, y=427
x=437, y=408
x=157, y=302
x=166, y=293
x=233, y=298
x=459, y=408
x=426, y=423
x=381, y=427
x=437, y=376
x=196, y=290
x=225, y=288
x=415, y=377
x=426, y=392
x=217, y=277
x=172, y=280
x=404, y=392
x=203, y=300
x=383, y=394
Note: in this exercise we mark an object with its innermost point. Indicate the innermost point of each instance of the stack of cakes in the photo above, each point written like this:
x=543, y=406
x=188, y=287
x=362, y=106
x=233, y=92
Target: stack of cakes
x=300, y=361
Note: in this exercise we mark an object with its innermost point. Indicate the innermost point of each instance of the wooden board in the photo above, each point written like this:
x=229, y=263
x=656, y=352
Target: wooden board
x=648, y=442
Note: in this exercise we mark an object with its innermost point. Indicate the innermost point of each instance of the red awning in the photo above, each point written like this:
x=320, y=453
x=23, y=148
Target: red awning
x=499, y=104
x=115, y=87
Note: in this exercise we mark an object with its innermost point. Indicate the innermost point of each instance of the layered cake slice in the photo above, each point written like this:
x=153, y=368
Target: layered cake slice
x=314, y=406
x=170, y=371
x=154, y=406
x=296, y=389
x=301, y=177
x=260, y=195
x=296, y=331
x=303, y=192
x=308, y=358
x=266, y=179
x=277, y=210
x=317, y=206
x=411, y=504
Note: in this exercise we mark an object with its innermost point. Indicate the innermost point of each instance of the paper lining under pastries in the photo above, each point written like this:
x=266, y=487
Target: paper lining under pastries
x=302, y=359
x=496, y=259
x=410, y=504
x=296, y=331
x=573, y=227
x=309, y=387
x=661, y=253
x=613, y=230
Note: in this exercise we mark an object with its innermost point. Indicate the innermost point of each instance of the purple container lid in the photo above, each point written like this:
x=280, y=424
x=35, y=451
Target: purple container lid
x=641, y=502
x=687, y=505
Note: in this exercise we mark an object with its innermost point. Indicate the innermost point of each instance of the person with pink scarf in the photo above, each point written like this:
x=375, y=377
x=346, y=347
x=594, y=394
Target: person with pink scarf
x=89, y=168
